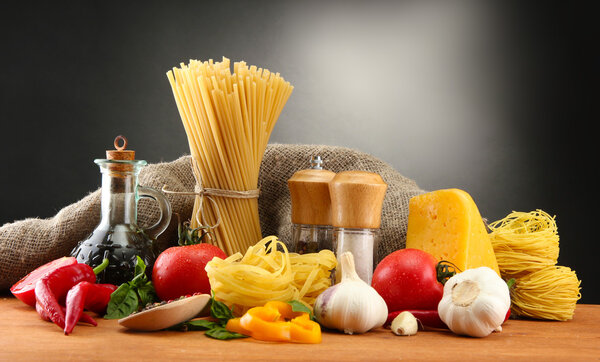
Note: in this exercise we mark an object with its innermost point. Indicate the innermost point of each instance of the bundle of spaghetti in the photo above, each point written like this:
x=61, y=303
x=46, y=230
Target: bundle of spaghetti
x=228, y=118
x=267, y=271
x=526, y=245
x=549, y=293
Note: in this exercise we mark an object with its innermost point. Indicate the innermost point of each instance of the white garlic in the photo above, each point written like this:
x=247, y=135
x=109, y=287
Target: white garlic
x=405, y=324
x=475, y=302
x=351, y=306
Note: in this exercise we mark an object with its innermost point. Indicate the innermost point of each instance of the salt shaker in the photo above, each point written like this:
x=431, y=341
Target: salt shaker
x=356, y=204
x=311, y=209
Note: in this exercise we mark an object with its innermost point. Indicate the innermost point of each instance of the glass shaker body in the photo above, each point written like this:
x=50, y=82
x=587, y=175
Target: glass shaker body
x=311, y=238
x=117, y=237
x=363, y=244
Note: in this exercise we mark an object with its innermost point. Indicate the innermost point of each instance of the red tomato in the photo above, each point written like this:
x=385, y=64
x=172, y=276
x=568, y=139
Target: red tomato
x=24, y=289
x=407, y=279
x=179, y=270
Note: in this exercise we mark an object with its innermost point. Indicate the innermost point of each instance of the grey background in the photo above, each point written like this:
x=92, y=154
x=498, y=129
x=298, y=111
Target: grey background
x=489, y=97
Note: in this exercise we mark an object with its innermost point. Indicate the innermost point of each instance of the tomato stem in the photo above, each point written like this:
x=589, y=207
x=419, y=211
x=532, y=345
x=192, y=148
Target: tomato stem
x=445, y=270
x=189, y=236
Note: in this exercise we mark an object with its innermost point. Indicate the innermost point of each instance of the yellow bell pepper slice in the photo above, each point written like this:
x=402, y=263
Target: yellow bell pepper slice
x=277, y=322
x=303, y=330
x=233, y=325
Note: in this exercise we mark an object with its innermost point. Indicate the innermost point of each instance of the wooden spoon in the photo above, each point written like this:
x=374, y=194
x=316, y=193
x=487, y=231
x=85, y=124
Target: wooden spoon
x=168, y=315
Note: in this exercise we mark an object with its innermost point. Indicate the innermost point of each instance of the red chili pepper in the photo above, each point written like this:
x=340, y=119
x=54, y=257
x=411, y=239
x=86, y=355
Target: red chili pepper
x=53, y=287
x=84, y=317
x=427, y=318
x=98, y=298
x=86, y=295
x=24, y=288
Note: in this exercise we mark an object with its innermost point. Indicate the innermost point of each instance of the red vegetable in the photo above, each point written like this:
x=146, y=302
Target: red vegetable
x=427, y=319
x=24, y=289
x=54, y=286
x=407, y=280
x=179, y=270
x=84, y=317
x=86, y=295
x=507, y=316
x=97, y=300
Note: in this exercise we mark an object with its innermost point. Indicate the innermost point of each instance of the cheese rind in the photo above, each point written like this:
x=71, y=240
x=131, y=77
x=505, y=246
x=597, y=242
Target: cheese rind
x=447, y=224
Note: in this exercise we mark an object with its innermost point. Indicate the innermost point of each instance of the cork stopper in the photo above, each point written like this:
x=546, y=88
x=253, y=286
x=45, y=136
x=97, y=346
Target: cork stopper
x=120, y=154
x=357, y=199
x=309, y=191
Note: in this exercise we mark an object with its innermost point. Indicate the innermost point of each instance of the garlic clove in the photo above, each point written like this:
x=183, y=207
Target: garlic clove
x=405, y=324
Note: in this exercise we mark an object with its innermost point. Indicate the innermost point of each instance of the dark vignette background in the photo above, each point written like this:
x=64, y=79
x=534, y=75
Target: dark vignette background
x=492, y=98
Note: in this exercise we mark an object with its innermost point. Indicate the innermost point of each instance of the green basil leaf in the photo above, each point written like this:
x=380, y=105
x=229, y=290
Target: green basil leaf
x=220, y=311
x=123, y=302
x=201, y=325
x=147, y=293
x=140, y=267
x=194, y=325
x=299, y=307
x=222, y=333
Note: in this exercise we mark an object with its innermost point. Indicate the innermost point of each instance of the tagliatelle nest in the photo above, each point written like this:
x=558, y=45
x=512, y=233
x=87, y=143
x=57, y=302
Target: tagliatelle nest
x=265, y=273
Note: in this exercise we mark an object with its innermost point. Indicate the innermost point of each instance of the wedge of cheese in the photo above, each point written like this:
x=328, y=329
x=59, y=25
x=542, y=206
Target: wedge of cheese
x=447, y=224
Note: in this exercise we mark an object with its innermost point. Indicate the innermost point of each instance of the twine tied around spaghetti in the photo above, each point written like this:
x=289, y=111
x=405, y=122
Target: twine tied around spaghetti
x=202, y=192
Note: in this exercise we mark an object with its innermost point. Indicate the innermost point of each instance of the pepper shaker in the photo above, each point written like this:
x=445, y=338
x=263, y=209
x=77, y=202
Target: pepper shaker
x=311, y=209
x=356, y=204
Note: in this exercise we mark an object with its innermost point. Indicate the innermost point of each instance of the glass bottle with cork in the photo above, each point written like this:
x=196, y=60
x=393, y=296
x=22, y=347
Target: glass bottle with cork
x=118, y=237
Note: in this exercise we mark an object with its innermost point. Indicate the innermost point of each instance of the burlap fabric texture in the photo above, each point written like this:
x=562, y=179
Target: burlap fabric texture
x=26, y=244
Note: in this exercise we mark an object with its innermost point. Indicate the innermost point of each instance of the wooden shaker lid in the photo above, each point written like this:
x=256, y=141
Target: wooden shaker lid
x=357, y=199
x=309, y=190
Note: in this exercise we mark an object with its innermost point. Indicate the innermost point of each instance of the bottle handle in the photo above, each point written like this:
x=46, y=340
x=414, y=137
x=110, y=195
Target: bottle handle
x=165, y=211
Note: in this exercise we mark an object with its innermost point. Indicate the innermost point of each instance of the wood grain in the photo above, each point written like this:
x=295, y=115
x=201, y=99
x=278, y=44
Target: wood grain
x=356, y=199
x=309, y=192
x=23, y=336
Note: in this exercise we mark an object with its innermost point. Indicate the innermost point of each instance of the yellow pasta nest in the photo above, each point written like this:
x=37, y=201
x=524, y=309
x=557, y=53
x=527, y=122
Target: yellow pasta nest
x=269, y=272
x=525, y=242
x=526, y=248
x=549, y=293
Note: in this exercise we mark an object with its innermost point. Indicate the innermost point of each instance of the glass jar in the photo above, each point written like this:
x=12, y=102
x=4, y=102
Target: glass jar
x=311, y=238
x=118, y=237
x=363, y=244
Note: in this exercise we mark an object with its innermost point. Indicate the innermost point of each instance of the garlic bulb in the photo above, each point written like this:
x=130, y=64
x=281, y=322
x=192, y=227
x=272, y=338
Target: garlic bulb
x=351, y=306
x=475, y=302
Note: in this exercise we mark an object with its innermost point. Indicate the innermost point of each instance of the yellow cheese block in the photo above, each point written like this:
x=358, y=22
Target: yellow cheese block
x=447, y=224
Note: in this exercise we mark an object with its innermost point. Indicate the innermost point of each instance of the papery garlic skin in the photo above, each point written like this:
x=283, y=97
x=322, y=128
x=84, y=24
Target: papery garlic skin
x=351, y=306
x=405, y=324
x=475, y=302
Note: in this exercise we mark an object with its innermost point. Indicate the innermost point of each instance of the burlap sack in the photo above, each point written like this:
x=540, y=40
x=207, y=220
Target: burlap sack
x=26, y=244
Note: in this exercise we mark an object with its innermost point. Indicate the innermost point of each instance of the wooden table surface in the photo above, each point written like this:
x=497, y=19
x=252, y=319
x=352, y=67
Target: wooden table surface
x=23, y=336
